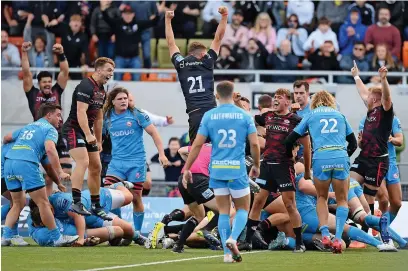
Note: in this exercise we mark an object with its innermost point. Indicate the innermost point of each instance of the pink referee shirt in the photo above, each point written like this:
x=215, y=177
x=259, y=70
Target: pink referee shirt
x=201, y=164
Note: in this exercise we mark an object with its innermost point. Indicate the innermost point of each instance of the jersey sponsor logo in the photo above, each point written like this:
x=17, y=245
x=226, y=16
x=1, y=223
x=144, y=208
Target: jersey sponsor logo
x=372, y=119
x=230, y=164
x=285, y=185
x=207, y=193
x=123, y=133
x=97, y=102
x=62, y=203
x=81, y=141
x=186, y=64
x=277, y=128
x=129, y=123
x=14, y=177
x=286, y=121
x=260, y=181
x=372, y=179
x=354, y=165
x=84, y=94
x=42, y=99
x=179, y=58
x=334, y=166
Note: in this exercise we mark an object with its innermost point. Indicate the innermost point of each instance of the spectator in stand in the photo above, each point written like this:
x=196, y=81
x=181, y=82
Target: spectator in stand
x=41, y=56
x=102, y=33
x=335, y=11
x=383, y=32
x=253, y=57
x=212, y=17
x=264, y=32
x=367, y=11
x=304, y=10
x=396, y=10
x=351, y=31
x=346, y=63
x=283, y=59
x=10, y=18
x=250, y=9
x=226, y=61
x=10, y=57
x=325, y=58
x=176, y=163
x=143, y=11
x=274, y=9
x=383, y=57
x=406, y=24
x=127, y=30
x=236, y=33
x=75, y=43
x=322, y=34
x=296, y=34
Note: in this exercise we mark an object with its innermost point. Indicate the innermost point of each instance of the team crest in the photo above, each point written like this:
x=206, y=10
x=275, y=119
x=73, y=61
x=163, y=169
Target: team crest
x=396, y=175
x=137, y=175
x=286, y=121
x=129, y=124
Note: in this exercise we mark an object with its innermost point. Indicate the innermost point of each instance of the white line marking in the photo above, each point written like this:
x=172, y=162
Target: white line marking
x=163, y=262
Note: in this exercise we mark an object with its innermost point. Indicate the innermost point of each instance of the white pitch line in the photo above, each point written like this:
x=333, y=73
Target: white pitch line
x=162, y=262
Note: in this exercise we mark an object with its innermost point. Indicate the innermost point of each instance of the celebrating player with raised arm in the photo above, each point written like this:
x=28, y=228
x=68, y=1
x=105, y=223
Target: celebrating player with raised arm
x=82, y=133
x=196, y=71
x=228, y=127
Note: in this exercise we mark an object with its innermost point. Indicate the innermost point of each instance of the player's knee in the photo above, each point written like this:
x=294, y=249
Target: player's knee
x=147, y=184
x=395, y=203
x=82, y=163
x=95, y=167
x=18, y=204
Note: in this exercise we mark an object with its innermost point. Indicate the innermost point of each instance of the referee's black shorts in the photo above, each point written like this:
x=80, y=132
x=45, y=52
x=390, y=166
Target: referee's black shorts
x=194, y=120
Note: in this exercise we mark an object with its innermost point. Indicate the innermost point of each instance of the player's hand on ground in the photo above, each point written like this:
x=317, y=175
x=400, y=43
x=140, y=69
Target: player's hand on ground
x=58, y=49
x=62, y=188
x=26, y=46
x=295, y=107
x=164, y=162
x=187, y=178
x=91, y=139
x=223, y=10
x=64, y=176
x=170, y=120
x=254, y=173
x=169, y=14
x=354, y=71
x=383, y=72
x=79, y=243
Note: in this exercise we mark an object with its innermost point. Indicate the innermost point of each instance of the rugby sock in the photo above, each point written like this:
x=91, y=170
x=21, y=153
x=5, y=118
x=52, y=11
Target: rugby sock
x=298, y=233
x=117, y=212
x=390, y=217
x=187, y=230
x=14, y=229
x=241, y=218
x=173, y=228
x=224, y=229
x=95, y=200
x=358, y=235
x=324, y=230
x=308, y=238
x=213, y=222
x=374, y=222
x=266, y=226
x=251, y=228
x=371, y=208
x=341, y=217
x=76, y=195
x=145, y=192
x=4, y=211
x=55, y=234
x=290, y=242
x=138, y=220
x=7, y=232
x=175, y=215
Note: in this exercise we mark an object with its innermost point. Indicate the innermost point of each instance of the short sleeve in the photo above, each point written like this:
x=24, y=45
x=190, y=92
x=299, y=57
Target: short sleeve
x=260, y=119
x=84, y=92
x=361, y=125
x=251, y=126
x=52, y=135
x=209, y=58
x=176, y=59
x=142, y=118
x=390, y=112
x=349, y=130
x=396, y=126
x=302, y=127
x=15, y=134
x=203, y=129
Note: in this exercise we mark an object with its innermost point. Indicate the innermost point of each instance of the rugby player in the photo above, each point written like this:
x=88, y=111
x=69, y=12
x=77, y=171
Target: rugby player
x=371, y=166
x=47, y=93
x=329, y=131
x=22, y=170
x=228, y=127
x=196, y=71
x=125, y=125
x=82, y=132
x=277, y=172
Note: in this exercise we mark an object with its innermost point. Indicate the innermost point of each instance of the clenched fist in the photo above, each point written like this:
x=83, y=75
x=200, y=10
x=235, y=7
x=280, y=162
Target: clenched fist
x=223, y=11
x=26, y=46
x=58, y=49
x=169, y=14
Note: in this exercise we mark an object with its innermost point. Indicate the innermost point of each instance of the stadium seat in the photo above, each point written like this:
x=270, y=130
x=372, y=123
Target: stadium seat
x=92, y=51
x=163, y=56
x=206, y=42
x=405, y=54
x=17, y=41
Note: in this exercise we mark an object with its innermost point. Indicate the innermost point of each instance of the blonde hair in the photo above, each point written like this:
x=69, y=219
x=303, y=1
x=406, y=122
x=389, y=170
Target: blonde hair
x=376, y=90
x=323, y=98
x=101, y=61
x=389, y=61
x=284, y=92
x=257, y=27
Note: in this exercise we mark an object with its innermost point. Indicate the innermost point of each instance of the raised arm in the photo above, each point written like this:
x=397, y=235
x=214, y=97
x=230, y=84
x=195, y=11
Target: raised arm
x=63, y=76
x=362, y=89
x=25, y=65
x=219, y=34
x=169, y=34
x=386, y=100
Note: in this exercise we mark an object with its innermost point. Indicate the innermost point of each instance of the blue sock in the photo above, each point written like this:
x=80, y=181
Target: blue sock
x=341, y=217
x=138, y=220
x=290, y=242
x=390, y=217
x=374, y=222
x=240, y=221
x=55, y=234
x=224, y=229
x=324, y=230
x=397, y=238
x=308, y=238
x=4, y=211
x=14, y=229
x=117, y=212
x=7, y=232
x=136, y=235
x=358, y=235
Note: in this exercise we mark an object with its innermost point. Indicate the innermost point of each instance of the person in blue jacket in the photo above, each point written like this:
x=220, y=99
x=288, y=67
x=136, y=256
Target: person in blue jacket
x=350, y=32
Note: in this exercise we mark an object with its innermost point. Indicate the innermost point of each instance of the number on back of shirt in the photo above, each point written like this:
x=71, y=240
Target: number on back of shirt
x=326, y=129
x=228, y=138
x=27, y=135
x=193, y=83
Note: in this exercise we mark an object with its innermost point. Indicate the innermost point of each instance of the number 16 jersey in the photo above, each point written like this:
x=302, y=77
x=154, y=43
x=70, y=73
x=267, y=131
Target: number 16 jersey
x=228, y=127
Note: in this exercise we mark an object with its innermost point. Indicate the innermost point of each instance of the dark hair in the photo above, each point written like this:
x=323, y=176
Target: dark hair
x=195, y=46
x=359, y=43
x=324, y=20
x=42, y=38
x=299, y=83
x=288, y=20
x=46, y=108
x=174, y=139
x=265, y=101
x=245, y=99
x=225, y=89
x=101, y=61
x=43, y=74
x=382, y=6
x=35, y=213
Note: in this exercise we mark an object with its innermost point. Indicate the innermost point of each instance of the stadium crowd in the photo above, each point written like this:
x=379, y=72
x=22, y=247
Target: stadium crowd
x=262, y=164
x=275, y=35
